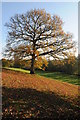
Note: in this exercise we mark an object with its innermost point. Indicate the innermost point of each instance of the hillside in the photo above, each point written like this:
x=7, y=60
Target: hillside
x=27, y=96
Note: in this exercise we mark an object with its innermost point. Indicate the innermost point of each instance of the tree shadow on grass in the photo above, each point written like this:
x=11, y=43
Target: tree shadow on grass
x=29, y=103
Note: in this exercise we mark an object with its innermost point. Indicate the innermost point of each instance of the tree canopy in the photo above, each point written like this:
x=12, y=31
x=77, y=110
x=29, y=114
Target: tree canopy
x=37, y=36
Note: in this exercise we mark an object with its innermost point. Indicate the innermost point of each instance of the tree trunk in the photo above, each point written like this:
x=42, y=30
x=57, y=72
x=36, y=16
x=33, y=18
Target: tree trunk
x=32, y=65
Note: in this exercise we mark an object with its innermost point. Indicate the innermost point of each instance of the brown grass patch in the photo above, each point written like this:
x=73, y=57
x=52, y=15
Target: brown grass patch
x=13, y=79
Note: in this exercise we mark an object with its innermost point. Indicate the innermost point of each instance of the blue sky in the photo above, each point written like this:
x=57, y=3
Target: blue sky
x=68, y=11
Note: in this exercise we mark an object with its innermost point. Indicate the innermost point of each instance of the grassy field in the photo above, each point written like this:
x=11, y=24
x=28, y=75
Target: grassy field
x=73, y=79
x=34, y=96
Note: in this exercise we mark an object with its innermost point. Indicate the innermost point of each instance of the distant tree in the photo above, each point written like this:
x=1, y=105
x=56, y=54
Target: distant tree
x=68, y=65
x=25, y=64
x=37, y=36
x=5, y=63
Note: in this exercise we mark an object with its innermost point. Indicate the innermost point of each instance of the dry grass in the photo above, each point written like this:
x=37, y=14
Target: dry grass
x=22, y=80
x=37, y=96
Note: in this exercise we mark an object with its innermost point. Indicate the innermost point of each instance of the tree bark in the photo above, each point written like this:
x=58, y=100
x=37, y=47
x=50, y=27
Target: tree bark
x=32, y=65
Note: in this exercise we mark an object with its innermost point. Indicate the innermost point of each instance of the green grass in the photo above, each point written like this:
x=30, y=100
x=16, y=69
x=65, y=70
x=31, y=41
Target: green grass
x=73, y=79
x=18, y=69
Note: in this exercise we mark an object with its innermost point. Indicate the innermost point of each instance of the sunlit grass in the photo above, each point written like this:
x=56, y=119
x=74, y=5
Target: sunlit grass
x=18, y=69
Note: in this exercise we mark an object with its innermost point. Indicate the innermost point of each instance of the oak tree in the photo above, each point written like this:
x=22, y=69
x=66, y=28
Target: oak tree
x=37, y=36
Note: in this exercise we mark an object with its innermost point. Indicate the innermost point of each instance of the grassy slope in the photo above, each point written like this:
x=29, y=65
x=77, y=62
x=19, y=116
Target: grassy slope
x=73, y=79
x=27, y=96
